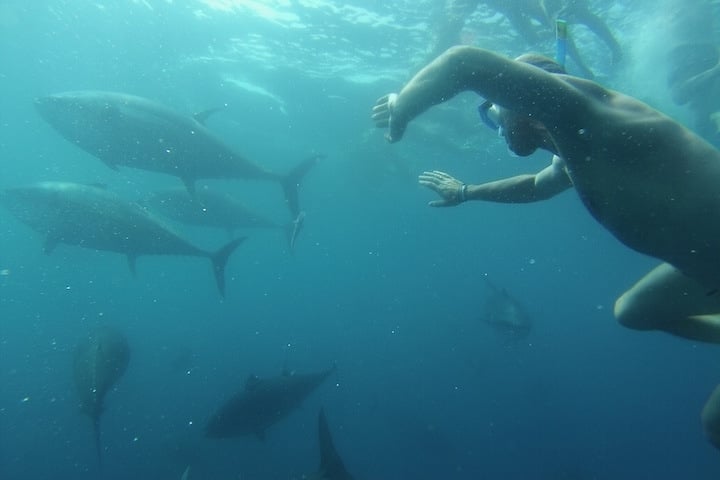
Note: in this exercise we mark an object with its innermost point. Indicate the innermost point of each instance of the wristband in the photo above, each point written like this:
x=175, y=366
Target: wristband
x=463, y=193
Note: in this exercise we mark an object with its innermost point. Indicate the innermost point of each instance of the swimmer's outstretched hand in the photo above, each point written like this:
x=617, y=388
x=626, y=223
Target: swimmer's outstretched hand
x=452, y=190
x=385, y=116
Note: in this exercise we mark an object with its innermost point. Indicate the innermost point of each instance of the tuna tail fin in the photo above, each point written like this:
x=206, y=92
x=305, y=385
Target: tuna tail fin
x=292, y=230
x=291, y=181
x=219, y=260
x=331, y=465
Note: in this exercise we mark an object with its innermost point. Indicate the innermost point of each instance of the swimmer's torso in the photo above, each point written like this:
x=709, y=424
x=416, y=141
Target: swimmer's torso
x=651, y=182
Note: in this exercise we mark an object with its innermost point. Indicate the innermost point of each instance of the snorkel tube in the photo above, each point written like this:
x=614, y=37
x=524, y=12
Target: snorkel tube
x=560, y=41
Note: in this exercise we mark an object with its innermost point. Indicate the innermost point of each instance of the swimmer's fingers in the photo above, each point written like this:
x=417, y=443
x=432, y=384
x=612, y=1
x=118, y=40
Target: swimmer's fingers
x=385, y=102
x=428, y=179
x=428, y=184
x=442, y=203
x=440, y=175
x=382, y=106
x=381, y=122
x=444, y=185
x=427, y=175
x=382, y=111
x=437, y=177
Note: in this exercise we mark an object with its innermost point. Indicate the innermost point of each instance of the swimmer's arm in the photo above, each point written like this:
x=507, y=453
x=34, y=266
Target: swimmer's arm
x=695, y=86
x=519, y=189
x=527, y=188
x=458, y=69
x=510, y=84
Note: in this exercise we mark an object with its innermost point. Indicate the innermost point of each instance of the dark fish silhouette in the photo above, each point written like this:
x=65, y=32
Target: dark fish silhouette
x=131, y=131
x=218, y=210
x=99, y=361
x=690, y=41
x=93, y=217
x=206, y=209
x=262, y=403
x=505, y=314
x=331, y=465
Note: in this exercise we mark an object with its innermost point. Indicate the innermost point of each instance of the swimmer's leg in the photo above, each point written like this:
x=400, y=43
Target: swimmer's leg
x=523, y=24
x=599, y=28
x=669, y=301
x=574, y=54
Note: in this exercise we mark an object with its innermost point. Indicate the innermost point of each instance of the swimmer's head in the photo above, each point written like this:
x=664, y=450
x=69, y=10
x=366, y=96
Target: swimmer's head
x=522, y=135
x=541, y=61
x=490, y=113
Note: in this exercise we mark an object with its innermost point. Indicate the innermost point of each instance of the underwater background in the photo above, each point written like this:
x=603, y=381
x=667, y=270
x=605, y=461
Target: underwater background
x=379, y=284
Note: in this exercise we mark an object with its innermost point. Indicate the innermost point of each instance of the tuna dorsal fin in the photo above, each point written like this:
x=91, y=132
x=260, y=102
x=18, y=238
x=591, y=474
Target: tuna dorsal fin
x=252, y=382
x=201, y=117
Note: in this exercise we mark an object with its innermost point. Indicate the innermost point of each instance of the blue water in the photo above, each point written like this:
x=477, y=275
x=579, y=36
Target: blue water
x=380, y=284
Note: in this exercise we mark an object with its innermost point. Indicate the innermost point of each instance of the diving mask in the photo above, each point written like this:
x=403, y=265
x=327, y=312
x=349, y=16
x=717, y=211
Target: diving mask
x=490, y=116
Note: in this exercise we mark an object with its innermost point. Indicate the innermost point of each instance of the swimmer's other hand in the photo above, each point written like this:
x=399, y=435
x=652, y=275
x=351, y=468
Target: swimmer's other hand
x=452, y=190
x=383, y=114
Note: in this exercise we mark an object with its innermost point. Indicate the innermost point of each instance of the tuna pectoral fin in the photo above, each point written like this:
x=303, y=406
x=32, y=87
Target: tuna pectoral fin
x=219, y=260
x=110, y=165
x=131, y=259
x=201, y=117
x=291, y=181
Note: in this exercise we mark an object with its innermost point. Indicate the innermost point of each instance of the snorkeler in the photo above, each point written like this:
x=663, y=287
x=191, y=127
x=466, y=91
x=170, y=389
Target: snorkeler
x=647, y=179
